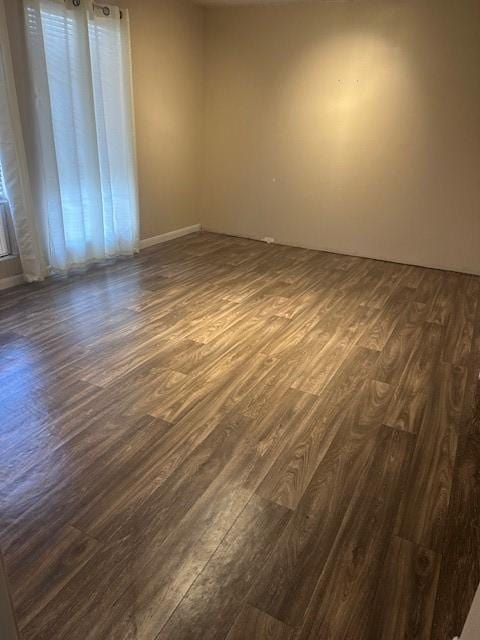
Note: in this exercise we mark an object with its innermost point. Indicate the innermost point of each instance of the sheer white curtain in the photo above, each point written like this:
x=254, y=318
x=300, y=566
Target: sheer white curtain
x=81, y=72
x=15, y=192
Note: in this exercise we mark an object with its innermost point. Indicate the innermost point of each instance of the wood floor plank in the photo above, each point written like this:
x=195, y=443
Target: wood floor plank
x=49, y=508
x=70, y=460
x=342, y=601
x=294, y=468
x=388, y=318
x=91, y=616
x=430, y=283
x=397, y=351
x=414, y=388
x=253, y=624
x=171, y=491
x=425, y=503
x=444, y=303
x=229, y=383
x=287, y=582
x=220, y=589
x=461, y=325
x=321, y=368
x=470, y=422
x=43, y=576
x=386, y=281
x=405, y=594
x=460, y=569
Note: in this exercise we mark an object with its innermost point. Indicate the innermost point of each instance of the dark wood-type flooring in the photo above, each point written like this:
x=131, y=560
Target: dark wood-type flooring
x=221, y=439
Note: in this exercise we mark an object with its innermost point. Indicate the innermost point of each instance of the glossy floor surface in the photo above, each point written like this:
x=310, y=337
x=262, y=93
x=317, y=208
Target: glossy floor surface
x=225, y=439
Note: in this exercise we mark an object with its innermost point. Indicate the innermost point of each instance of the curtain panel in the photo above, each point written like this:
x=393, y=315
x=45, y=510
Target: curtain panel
x=80, y=68
x=14, y=165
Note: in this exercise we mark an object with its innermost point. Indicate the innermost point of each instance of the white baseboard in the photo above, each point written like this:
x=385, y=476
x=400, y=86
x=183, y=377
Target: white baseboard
x=12, y=281
x=170, y=235
x=319, y=247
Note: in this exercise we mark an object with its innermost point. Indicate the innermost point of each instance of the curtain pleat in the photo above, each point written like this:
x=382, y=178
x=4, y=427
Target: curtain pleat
x=14, y=166
x=89, y=203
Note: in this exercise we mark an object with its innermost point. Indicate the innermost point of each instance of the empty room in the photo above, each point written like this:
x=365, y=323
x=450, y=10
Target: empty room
x=240, y=320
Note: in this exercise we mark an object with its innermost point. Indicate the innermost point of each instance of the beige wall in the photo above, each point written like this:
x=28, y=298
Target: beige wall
x=10, y=267
x=347, y=126
x=167, y=51
x=353, y=127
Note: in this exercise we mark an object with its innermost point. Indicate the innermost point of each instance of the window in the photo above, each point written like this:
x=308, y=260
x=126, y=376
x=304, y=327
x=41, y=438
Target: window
x=6, y=244
x=3, y=196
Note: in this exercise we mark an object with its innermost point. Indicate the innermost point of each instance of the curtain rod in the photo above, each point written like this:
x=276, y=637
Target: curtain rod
x=105, y=10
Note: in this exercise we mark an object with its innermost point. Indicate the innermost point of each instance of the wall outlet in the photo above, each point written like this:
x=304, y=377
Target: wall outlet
x=268, y=240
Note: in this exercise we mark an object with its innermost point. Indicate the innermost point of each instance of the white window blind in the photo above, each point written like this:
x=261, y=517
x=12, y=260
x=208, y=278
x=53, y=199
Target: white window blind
x=4, y=235
x=3, y=195
x=5, y=244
